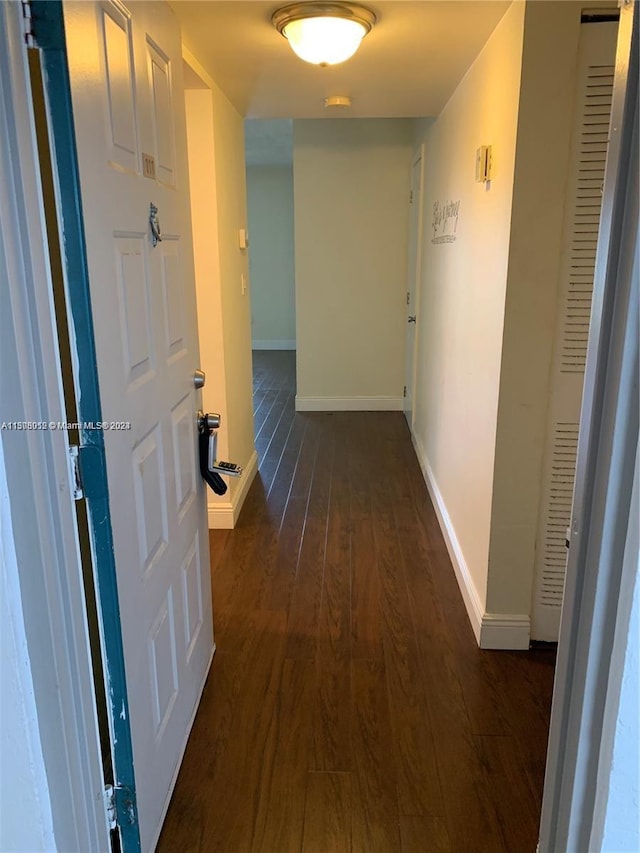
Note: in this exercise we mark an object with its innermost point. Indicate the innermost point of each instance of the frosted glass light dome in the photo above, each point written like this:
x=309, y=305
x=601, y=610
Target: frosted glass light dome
x=324, y=41
x=324, y=33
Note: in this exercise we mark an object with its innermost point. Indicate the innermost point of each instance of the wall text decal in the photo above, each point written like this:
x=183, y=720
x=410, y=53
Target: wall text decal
x=445, y=221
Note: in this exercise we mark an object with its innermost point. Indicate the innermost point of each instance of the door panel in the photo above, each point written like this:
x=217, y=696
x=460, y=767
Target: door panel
x=131, y=270
x=183, y=456
x=162, y=112
x=117, y=69
x=125, y=67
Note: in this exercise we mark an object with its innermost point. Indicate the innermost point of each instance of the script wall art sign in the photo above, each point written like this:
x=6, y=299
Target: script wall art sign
x=444, y=223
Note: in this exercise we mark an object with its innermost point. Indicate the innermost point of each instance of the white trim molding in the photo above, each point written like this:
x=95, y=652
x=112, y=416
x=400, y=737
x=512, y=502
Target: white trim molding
x=223, y=515
x=505, y=631
x=281, y=344
x=491, y=630
x=348, y=404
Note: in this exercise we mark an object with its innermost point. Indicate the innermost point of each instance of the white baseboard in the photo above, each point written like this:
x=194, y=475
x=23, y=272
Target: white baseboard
x=505, y=631
x=349, y=404
x=273, y=344
x=492, y=630
x=223, y=515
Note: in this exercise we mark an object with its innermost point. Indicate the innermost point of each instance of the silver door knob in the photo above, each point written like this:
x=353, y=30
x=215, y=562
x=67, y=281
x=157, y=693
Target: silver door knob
x=207, y=422
x=412, y=318
x=199, y=378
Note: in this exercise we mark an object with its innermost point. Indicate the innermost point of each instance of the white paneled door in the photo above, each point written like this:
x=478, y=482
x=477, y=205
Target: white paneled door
x=413, y=283
x=126, y=78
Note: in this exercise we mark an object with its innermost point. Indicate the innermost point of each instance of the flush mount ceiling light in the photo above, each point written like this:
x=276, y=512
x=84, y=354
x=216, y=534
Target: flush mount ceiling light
x=324, y=33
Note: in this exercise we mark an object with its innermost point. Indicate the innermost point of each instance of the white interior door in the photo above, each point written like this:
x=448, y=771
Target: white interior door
x=126, y=76
x=589, y=145
x=413, y=275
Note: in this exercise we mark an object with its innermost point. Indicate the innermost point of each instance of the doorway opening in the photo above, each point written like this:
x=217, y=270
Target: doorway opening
x=270, y=208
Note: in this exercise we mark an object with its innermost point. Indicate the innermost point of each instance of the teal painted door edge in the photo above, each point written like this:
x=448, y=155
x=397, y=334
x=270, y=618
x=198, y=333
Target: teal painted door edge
x=48, y=29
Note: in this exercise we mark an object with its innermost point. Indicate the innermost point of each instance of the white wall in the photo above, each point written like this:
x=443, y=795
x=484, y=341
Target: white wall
x=26, y=821
x=545, y=122
x=461, y=311
x=215, y=136
x=351, y=184
x=622, y=818
x=271, y=256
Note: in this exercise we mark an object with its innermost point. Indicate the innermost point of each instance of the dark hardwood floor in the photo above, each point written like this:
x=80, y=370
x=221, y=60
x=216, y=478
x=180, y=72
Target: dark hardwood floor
x=348, y=707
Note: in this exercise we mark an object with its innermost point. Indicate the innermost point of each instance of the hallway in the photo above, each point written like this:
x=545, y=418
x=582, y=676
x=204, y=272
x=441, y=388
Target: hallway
x=348, y=707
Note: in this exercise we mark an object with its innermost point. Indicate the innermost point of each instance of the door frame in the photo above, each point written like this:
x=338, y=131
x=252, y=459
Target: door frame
x=49, y=32
x=42, y=573
x=601, y=572
x=418, y=154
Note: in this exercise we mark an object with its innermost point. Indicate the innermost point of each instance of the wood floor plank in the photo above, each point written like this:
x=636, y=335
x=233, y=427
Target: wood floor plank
x=366, y=596
x=270, y=457
x=375, y=824
x=264, y=408
x=258, y=564
x=304, y=612
x=248, y=758
x=282, y=796
x=468, y=801
x=236, y=569
x=306, y=462
x=424, y=834
x=271, y=426
x=525, y=680
x=217, y=543
x=327, y=821
x=279, y=587
x=284, y=468
x=332, y=723
x=518, y=815
x=419, y=791
x=249, y=589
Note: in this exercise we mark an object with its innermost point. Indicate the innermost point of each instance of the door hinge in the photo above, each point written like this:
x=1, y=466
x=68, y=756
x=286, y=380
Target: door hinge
x=75, y=476
x=408, y=297
x=119, y=805
x=27, y=23
x=410, y=196
x=404, y=392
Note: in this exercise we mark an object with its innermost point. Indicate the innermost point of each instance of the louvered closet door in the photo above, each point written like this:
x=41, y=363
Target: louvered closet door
x=583, y=201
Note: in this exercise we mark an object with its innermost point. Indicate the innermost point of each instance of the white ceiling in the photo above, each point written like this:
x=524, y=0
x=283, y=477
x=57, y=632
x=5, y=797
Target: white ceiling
x=408, y=65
